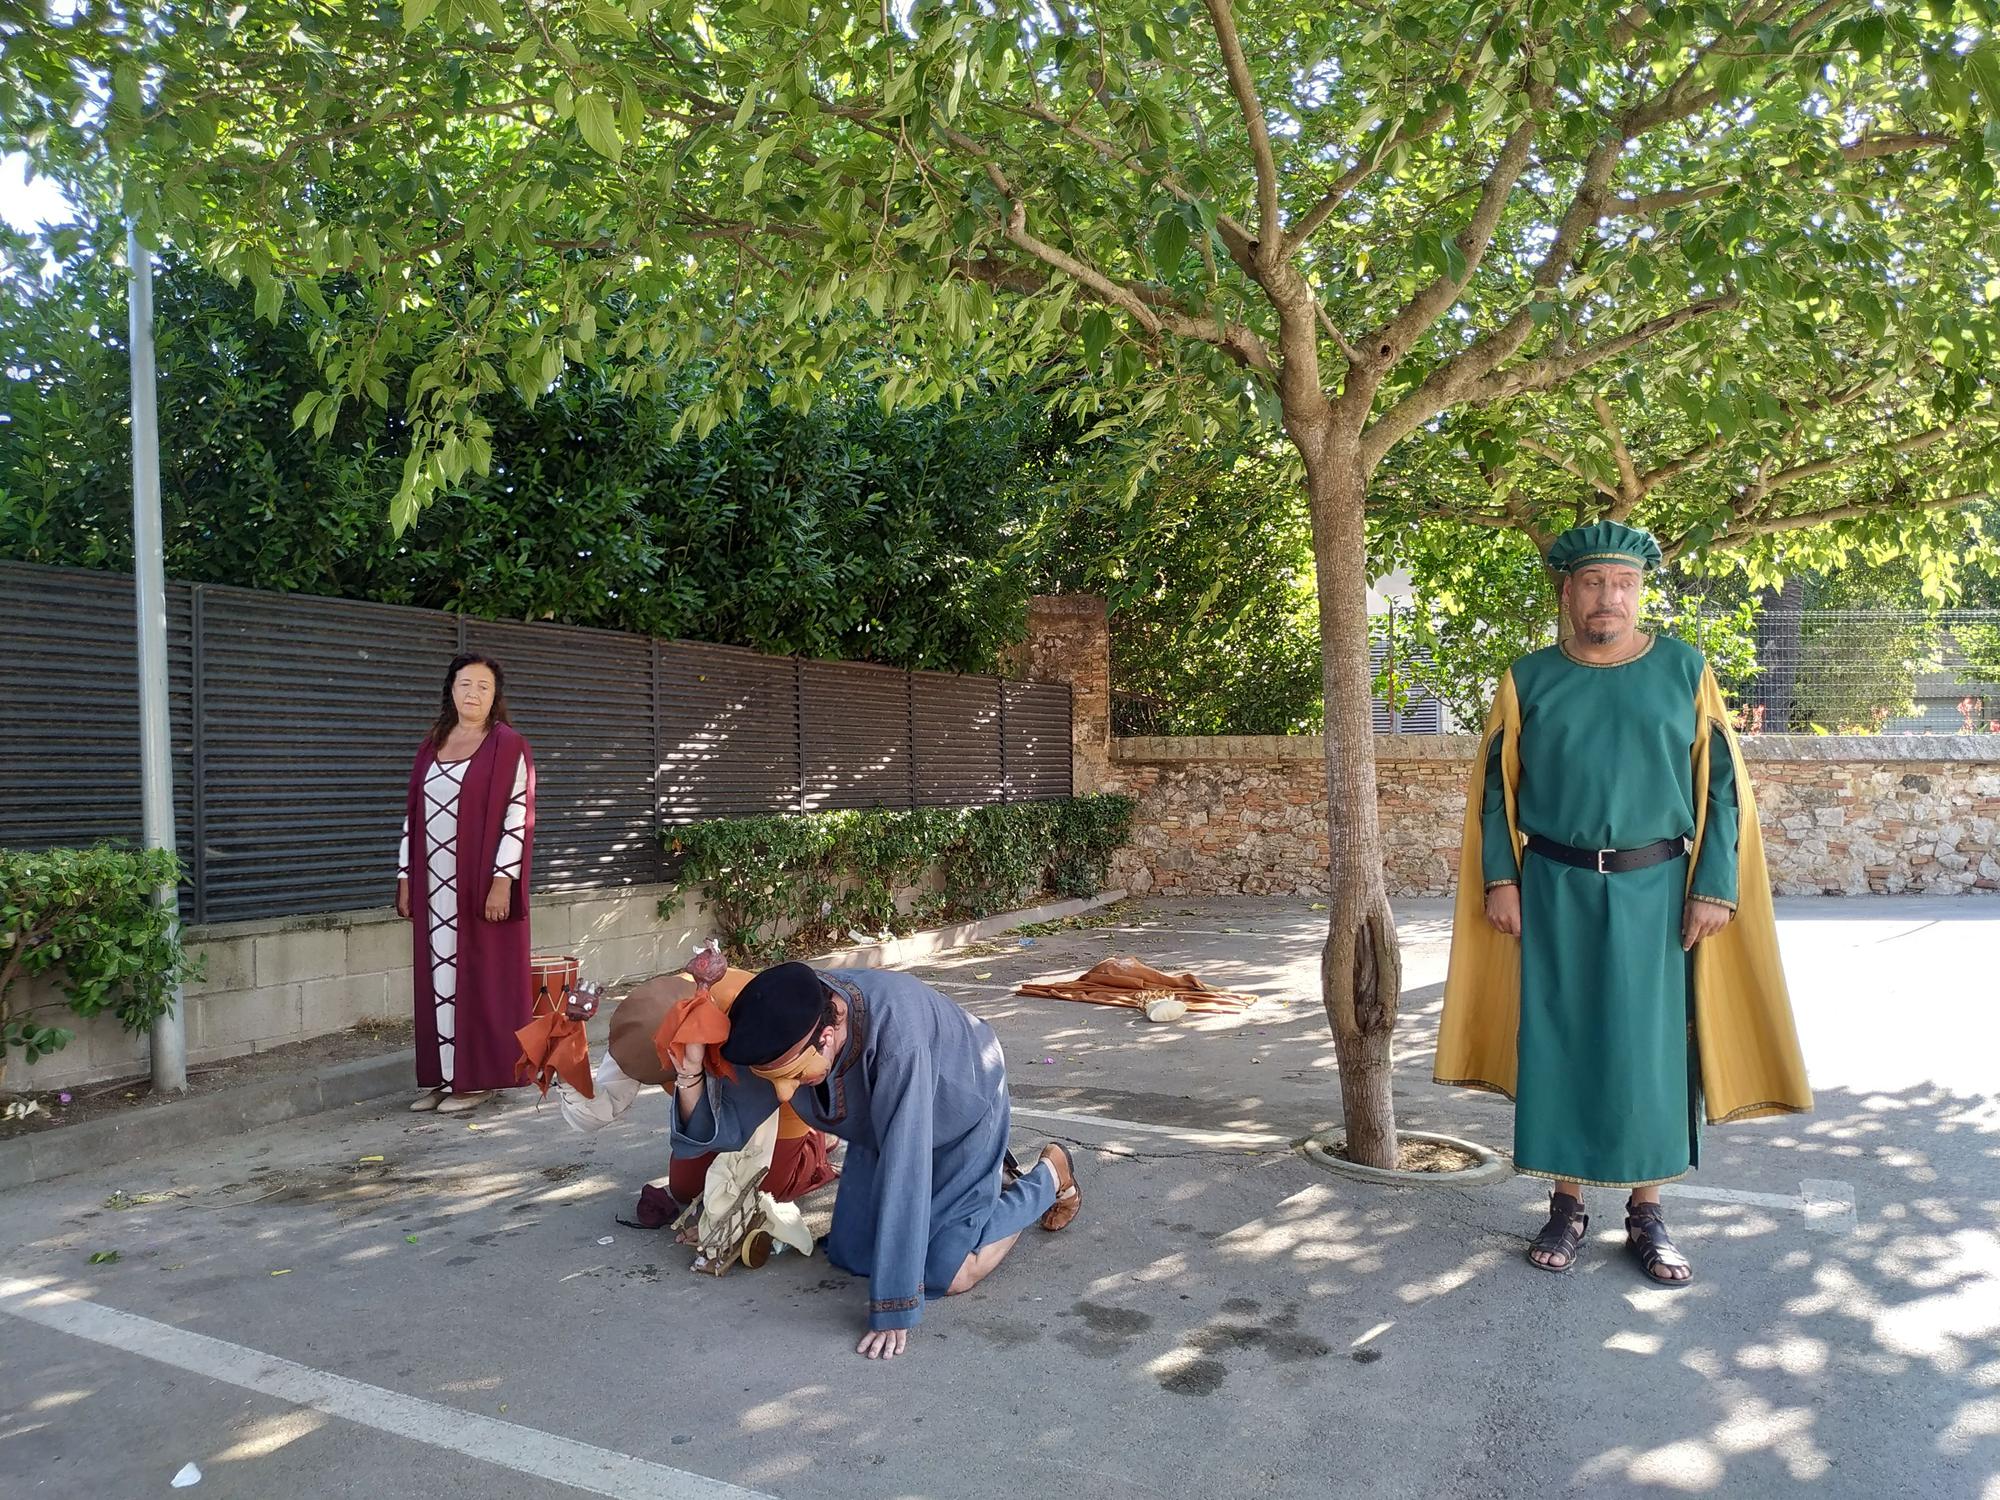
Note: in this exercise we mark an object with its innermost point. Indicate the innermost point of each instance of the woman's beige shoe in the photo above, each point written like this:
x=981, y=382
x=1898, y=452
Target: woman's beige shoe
x=428, y=1100
x=458, y=1104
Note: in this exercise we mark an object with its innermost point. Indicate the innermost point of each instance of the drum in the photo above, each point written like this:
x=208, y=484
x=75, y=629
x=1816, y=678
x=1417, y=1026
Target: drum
x=551, y=977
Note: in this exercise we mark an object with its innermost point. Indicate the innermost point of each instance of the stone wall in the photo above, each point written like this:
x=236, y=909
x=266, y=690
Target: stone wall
x=294, y=978
x=1069, y=642
x=1841, y=815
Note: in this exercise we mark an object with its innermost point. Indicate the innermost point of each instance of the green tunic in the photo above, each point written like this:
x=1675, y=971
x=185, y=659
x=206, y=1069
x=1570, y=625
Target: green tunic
x=1608, y=1086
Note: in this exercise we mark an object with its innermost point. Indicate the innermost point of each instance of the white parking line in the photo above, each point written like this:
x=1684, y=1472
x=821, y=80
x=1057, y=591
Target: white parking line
x=525, y=1450
x=1194, y=1135
x=1731, y=1195
x=1828, y=1205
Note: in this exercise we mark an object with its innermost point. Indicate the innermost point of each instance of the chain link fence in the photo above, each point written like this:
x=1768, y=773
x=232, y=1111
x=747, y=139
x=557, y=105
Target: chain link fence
x=1787, y=671
x=1859, y=671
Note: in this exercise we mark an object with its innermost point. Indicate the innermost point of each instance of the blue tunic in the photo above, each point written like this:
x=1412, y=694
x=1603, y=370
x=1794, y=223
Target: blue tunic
x=919, y=1093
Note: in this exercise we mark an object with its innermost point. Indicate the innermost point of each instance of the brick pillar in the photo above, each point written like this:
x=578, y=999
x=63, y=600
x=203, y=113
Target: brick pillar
x=1069, y=641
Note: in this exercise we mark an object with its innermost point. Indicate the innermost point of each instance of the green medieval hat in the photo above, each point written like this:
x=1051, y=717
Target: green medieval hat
x=1604, y=542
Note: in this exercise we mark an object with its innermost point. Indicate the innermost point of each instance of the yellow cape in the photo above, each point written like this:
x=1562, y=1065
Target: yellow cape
x=1750, y=1061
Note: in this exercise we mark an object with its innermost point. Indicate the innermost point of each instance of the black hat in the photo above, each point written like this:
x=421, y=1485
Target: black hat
x=776, y=1011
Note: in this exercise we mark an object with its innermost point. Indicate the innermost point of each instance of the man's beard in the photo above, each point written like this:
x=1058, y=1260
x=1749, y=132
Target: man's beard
x=1602, y=635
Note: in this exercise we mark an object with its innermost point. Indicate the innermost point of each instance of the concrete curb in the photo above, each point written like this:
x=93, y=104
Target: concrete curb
x=95, y=1144
x=920, y=945
x=1493, y=1167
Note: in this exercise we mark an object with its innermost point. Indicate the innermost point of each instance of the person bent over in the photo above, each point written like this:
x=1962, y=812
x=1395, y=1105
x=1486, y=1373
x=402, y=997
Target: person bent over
x=927, y=1205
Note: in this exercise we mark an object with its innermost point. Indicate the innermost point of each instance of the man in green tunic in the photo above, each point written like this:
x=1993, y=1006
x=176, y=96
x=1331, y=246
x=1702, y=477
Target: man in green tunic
x=1584, y=855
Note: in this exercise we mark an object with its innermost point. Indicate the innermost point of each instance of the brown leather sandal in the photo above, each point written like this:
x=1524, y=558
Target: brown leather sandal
x=1563, y=1235
x=1069, y=1197
x=1646, y=1237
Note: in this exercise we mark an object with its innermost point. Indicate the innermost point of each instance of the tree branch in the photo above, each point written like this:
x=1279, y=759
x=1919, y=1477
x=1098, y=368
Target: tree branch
x=1890, y=145
x=1645, y=205
x=1452, y=381
x=1798, y=521
x=1238, y=238
x=1347, y=350
x=1152, y=310
x=1354, y=176
x=1395, y=338
x=1270, y=233
x=1915, y=443
x=1679, y=465
x=1546, y=374
x=1567, y=464
x=1629, y=491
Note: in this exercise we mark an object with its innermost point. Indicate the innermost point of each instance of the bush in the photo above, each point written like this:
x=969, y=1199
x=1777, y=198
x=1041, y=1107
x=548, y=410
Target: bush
x=86, y=916
x=804, y=883
x=838, y=533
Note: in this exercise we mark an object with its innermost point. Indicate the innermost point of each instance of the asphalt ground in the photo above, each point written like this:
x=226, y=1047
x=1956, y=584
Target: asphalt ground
x=373, y=1303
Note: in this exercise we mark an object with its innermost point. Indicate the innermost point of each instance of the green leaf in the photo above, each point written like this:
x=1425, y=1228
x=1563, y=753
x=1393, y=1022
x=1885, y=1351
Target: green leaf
x=1170, y=242
x=1451, y=256
x=1868, y=34
x=1982, y=64
x=415, y=12
x=1096, y=330
x=597, y=118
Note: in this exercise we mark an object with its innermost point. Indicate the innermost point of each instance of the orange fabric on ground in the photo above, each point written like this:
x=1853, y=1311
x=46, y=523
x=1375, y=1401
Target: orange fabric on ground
x=1124, y=980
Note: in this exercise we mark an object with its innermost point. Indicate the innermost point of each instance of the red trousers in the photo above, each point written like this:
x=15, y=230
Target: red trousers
x=798, y=1165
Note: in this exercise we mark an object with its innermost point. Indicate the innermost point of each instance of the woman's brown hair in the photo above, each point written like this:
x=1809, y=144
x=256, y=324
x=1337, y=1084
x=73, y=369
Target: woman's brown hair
x=447, y=719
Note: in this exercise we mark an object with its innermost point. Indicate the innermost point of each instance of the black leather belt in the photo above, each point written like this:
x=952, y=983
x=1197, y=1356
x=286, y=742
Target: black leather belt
x=1608, y=861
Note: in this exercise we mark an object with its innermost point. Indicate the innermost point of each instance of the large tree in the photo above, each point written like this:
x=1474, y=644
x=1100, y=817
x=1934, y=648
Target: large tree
x=1343, y=221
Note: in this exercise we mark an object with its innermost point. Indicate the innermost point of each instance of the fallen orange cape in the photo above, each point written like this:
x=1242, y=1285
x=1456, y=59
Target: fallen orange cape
x=1124, y=980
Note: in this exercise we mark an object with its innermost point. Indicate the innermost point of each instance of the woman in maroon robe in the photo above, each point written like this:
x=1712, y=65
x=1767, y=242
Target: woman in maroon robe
x=468, y=834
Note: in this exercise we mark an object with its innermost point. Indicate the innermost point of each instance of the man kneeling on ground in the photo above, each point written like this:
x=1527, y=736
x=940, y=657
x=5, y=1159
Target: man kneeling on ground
x=632, y=1060
x=918, y=1089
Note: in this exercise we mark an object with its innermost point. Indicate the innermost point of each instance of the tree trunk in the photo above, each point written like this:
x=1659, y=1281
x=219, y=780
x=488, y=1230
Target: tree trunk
x=1361, y=973
x=1565, y=629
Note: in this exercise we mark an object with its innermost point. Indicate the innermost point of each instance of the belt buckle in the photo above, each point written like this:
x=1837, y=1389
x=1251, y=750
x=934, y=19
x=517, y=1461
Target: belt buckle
x=1600, y=860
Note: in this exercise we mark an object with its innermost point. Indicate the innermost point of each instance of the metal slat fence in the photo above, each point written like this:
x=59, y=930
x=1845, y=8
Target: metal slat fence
x=295, y=720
